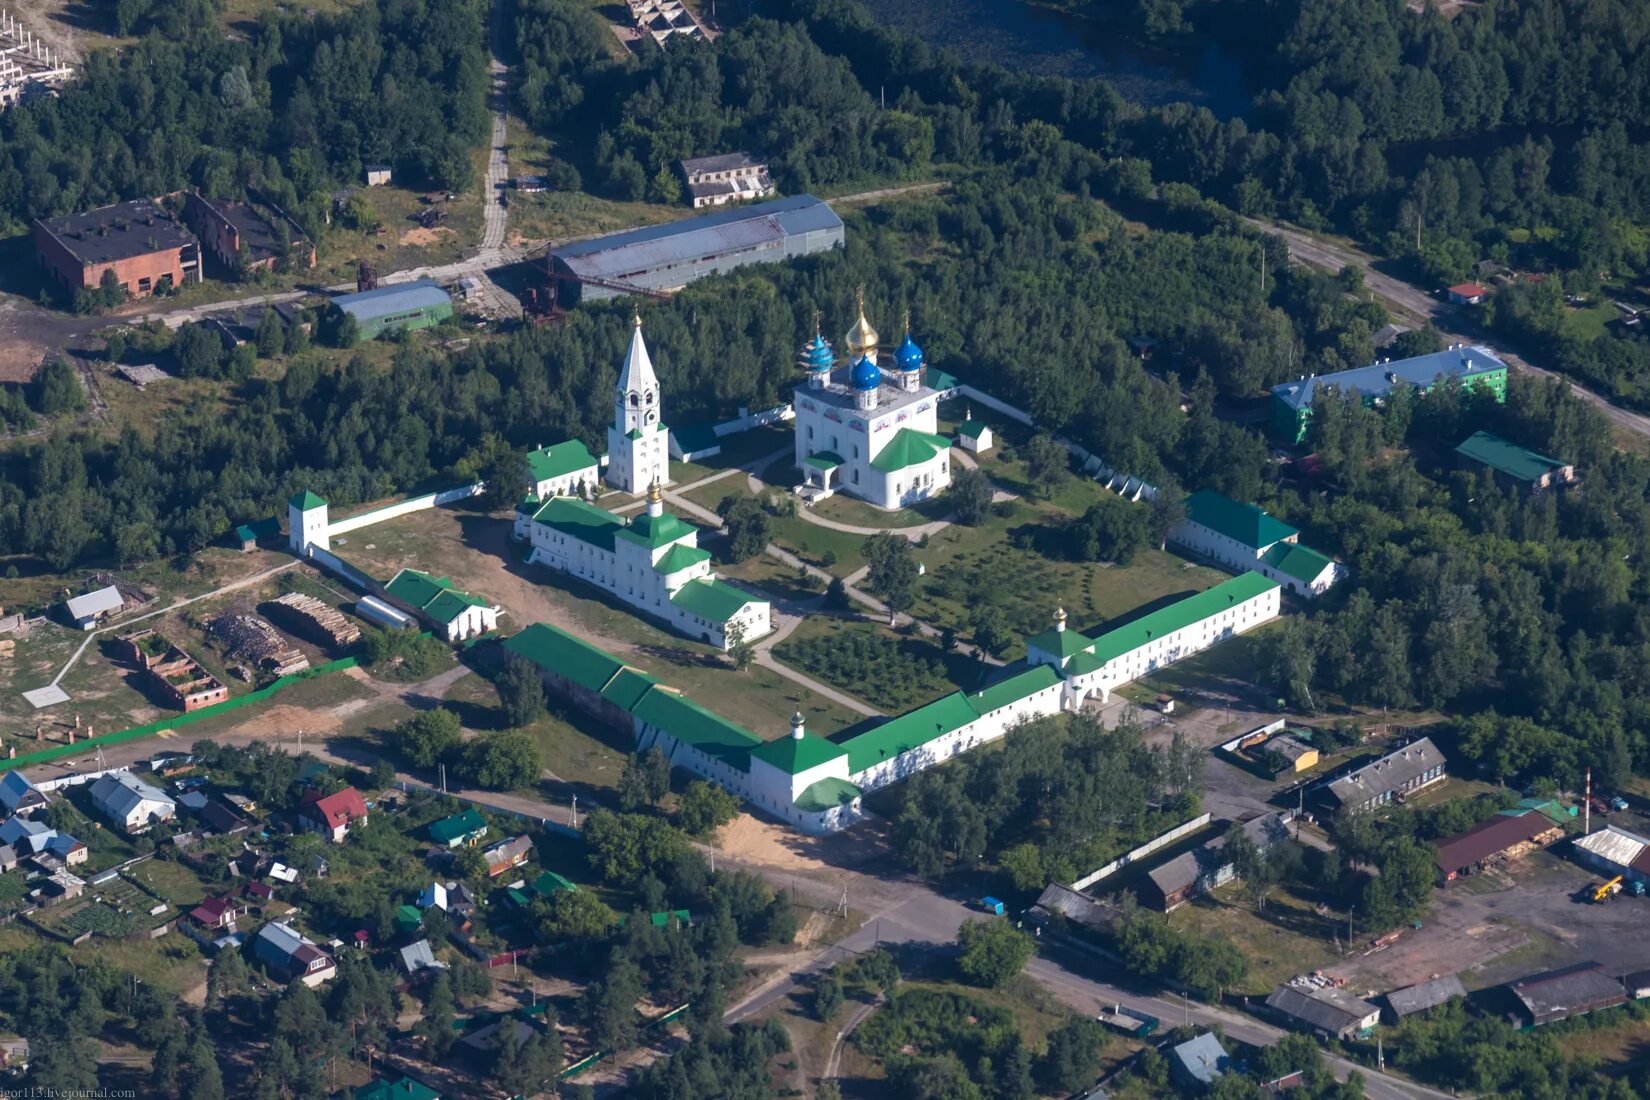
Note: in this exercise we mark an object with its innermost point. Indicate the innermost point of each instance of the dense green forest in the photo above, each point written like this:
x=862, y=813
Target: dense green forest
x=1526, y=612
x=1034, y=305
x=296, y=110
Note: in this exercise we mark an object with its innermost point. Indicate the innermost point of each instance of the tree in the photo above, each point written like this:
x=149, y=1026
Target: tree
x=993, y=633
x=346, y=330
x=645, y=781
x=992, y=952
x=427, y=737
x=1075, y=1052
x=827, y=997
x=705, y=807
x=506, y=474
x=1047, y=463
x=893, y=572
x=520, y=691
x=572, y=914
x=971, y=496
x=624, y=847
x=271, y=337
x=435, y=1027
x=56, y=390
x=504, y=761
x=610, y=1004
x=199, y=350
x=469, y=863
x=740, y=648
x=749, y=526
x=383, y=773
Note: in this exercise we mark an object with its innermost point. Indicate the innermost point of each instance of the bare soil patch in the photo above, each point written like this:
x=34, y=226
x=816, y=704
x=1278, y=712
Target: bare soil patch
x=420, y=237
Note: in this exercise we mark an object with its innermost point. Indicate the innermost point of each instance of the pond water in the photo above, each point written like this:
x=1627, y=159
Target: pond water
x=1017, y=35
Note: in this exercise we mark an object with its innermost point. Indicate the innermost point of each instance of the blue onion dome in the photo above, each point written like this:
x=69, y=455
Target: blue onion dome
x=865, y=374
x=816, y=354
x=908, y=355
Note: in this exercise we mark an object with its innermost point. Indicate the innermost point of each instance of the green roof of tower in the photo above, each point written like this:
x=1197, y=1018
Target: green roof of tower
x=794, y=755
x=679, y=557
x=306, y=500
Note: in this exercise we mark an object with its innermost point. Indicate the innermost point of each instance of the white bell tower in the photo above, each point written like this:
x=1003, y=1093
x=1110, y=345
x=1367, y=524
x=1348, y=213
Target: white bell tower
x=638, y=444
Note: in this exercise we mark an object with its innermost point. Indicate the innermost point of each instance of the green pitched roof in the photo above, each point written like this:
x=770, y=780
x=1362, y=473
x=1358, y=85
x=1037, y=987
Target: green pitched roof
x=715, y=600
x=680, y=557
x=656, y=531
x=909, y=447
x=260, y=529
x=796, y=755
x=1293, y=560
x=555, y=650
x=1166, y=620
x=559, y=459
x=824, y=460
x=416, y=588
x=970, y=428
x=306, y=500
x=449, y=605
x=1519, y=463
x=627, y=687
x=449, y=829
x=580, y=520
x=692, y=724
x=825, y=794
x=940, y=380
x=408, y=917
x=529, y=504
x=404, y=1089
x=1243, y=522
x=1061, y=643
x=1019, y=686
x=908, y=731
x=549, y=883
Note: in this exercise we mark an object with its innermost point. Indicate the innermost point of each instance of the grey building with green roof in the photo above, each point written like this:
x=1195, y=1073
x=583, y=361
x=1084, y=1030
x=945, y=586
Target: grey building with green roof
x=1243, y=538
x=1515, y=467
x=457, y=615
x=651, y=562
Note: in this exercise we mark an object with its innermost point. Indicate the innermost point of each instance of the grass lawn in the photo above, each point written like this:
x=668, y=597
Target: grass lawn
x=1235, y=660
x=774, y=576
x=846, y=509
x=1285, y=940
x=575, y=749
x=888, y=670
x=173, y=881
x=172, y=962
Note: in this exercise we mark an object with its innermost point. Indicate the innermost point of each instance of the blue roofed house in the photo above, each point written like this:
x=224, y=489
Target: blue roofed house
x=36, y=838
x=19, y=796
x=1474, y=367
x=1197, y=1062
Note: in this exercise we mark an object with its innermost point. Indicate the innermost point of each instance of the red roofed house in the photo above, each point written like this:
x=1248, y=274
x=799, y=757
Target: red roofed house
x=1467, y=294
x=331, y=816
x=214, y=913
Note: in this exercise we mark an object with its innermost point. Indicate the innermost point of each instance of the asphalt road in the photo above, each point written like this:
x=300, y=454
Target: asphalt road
x=1417, y=307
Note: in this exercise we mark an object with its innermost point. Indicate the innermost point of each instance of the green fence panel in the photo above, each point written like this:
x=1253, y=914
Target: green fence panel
x=151, y=728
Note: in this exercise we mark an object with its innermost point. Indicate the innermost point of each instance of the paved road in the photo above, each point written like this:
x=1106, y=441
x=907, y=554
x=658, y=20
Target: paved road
x=1418, y=307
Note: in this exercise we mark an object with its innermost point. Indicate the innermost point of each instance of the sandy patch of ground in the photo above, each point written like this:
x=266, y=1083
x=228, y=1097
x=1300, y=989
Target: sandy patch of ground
x=750, y=840
x=419, y=237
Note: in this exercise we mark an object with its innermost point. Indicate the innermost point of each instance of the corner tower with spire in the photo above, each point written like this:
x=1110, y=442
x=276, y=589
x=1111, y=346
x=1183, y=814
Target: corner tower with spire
x=638, y=443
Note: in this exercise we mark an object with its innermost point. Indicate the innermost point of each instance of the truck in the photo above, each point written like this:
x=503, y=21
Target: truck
x=1129, y=1021
x=993, y=906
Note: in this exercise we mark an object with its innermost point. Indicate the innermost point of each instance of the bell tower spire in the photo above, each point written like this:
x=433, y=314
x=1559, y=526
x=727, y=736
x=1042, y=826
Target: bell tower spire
x=637, y=452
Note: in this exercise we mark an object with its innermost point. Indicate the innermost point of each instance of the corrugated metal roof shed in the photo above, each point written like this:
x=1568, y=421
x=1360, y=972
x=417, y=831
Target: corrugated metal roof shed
x=617, y=255
x=402, y=298
x=1613, y=845
x=1419, y=998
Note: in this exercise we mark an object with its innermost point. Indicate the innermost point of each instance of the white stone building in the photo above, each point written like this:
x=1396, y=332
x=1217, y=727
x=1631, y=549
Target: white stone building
x=561, y=469
x=1099, y=665
x=638, y=443
x=652, y=562
x=866, y=433
x=131, y=803
x=1242, y=537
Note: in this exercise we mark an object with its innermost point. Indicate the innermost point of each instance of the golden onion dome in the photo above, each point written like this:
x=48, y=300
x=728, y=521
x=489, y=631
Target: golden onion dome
x=862, y=338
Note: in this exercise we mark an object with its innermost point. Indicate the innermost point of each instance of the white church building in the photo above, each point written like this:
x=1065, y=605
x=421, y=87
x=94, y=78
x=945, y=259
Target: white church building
x=866, y=432
x=638, y=443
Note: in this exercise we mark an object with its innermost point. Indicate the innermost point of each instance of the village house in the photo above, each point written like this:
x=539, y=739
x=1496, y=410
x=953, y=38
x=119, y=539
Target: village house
x=332, y=815
x=131, y=803
x=507, y=854
x=292, y=957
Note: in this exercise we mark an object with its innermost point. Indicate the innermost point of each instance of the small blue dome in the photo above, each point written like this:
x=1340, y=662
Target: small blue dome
x=908, y=355
x=865, y=375
x=816, y=354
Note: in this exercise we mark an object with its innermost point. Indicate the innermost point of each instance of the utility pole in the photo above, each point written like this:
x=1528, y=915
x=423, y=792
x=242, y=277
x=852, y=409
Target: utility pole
x=576, y=816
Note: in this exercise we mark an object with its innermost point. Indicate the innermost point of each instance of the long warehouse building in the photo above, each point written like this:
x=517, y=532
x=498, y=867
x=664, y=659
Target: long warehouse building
x=668, y=257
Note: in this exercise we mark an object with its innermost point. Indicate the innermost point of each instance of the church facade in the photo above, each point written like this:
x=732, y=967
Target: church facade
x=652, y=562
x=865, y=431
x=638, y=443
